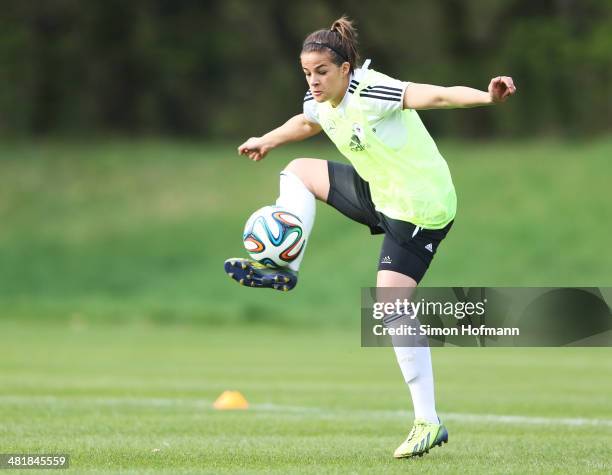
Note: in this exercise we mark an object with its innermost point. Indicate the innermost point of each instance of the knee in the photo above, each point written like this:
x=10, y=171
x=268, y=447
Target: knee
x=299, y=167
x=312, y=173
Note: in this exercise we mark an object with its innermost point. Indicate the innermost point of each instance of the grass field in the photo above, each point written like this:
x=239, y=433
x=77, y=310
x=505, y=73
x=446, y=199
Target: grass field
x=118, y=328
x=109, y=396
x=129, y=230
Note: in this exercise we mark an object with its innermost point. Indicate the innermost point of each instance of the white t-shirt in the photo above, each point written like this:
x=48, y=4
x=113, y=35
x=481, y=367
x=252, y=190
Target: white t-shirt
x=384, y=102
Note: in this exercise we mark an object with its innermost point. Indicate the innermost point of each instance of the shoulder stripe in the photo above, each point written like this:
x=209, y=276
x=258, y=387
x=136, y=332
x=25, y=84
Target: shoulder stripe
x=391, y=89
x=308, y=96
x=384, y=98
x=308, y=99
x=352, y=86
x=382, y=93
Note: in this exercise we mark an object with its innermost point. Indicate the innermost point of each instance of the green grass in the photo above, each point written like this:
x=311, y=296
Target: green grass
x=118, y=328
x=109, y=396
x=125, y=230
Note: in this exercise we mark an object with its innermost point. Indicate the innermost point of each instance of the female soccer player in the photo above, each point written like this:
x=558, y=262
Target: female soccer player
x=397, y=184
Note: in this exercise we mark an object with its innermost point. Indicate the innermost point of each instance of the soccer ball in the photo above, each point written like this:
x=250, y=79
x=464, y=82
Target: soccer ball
x=273, y=236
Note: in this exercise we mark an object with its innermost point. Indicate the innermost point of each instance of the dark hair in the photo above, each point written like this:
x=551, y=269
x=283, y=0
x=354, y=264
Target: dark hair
x=340, y=41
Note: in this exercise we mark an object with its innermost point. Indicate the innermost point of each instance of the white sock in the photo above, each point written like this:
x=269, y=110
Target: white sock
x=415, y=364
x=299, y=200
x=414, y=359
x=422, y=387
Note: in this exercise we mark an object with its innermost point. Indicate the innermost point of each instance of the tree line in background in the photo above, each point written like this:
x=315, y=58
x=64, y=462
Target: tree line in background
x=231, y=68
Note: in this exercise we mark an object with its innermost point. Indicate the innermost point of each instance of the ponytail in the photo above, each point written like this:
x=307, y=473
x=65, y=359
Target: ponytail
x=340, y=41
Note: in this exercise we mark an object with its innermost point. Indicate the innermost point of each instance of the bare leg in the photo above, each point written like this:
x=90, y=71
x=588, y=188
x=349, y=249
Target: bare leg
x=389, y=278
x=313, y=173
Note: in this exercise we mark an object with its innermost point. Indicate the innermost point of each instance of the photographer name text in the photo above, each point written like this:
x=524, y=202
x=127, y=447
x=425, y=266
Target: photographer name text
x=427, y=330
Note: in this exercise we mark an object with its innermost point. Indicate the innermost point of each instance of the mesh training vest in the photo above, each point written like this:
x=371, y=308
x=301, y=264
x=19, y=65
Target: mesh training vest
x=412, y=183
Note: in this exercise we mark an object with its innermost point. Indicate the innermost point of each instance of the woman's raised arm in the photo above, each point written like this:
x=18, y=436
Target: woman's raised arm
x=427, y=96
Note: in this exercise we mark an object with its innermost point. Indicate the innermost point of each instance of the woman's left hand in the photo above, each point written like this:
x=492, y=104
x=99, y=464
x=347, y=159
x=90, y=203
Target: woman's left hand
x=500, y=88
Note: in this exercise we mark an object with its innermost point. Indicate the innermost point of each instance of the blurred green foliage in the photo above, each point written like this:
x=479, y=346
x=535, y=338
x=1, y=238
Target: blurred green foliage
x=215, y=69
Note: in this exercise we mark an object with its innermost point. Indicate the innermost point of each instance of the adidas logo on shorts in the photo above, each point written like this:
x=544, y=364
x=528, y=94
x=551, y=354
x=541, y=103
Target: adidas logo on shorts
x=386, y=260
x=429, y=247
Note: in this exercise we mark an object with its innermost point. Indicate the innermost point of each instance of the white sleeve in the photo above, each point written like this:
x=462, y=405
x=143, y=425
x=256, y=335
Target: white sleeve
x=383, y=95
x=310, y=108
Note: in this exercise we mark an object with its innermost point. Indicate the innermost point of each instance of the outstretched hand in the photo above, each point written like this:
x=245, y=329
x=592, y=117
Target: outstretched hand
x=255, y=148
x=500, y=88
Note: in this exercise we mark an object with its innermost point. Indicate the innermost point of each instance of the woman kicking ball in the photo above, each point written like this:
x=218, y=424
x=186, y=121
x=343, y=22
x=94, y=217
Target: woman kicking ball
x=397, y=182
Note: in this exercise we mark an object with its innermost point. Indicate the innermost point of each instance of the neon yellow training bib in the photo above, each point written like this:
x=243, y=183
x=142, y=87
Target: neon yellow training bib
x=412, y=183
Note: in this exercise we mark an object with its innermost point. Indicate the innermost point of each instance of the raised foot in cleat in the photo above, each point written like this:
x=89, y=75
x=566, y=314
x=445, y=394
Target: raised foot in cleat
x=253, y=274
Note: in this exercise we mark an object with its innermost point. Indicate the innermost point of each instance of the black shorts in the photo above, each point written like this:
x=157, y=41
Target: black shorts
x=407, y=248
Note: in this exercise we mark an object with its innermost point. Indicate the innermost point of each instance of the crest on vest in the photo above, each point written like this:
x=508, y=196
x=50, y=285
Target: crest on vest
x=330, y=127
x=357, y=139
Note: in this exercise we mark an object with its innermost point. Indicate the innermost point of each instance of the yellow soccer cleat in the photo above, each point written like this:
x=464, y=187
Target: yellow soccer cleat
x=423, y=437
